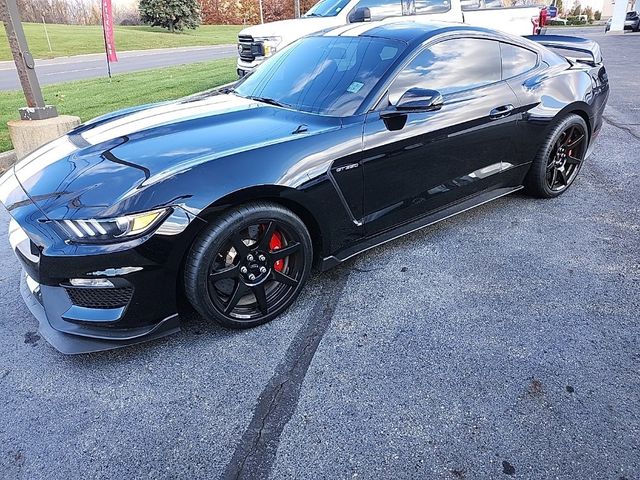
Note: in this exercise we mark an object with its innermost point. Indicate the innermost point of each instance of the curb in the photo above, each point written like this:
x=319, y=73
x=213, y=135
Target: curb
x=7, y=159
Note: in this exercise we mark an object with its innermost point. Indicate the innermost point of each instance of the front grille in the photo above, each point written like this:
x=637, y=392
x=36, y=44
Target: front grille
x=100, y=297
x=248, y=49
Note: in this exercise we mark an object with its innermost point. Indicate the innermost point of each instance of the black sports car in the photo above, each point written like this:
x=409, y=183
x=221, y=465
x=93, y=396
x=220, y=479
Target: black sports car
x=340, y=142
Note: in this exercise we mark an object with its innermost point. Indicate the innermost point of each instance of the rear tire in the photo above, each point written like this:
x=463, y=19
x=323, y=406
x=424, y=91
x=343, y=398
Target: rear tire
x=249, y=265
x=559, y=159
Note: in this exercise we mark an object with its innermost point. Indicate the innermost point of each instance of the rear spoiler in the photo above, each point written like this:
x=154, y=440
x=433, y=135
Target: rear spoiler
x=575, y=49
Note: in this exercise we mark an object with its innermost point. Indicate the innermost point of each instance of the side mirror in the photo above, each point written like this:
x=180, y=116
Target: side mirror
x=414, y=100
x=359, y=15
x=419, y=100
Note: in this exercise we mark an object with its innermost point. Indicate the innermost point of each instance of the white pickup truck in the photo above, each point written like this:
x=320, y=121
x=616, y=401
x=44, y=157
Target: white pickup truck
x=259, y=42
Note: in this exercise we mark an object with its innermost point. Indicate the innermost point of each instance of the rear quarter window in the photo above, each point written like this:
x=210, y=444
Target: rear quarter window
x=516, y=60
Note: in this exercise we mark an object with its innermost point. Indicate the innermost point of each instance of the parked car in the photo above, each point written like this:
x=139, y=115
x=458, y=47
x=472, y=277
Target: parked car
x=259, y=42
x=348, y=139
x=631, y=22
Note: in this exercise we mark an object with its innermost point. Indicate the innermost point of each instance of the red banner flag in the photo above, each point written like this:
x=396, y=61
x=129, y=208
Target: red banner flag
x=107, y=27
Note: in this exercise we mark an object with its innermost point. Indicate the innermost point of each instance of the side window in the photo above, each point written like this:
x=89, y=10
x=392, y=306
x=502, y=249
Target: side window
x=382, y=8
x=516, y=60
x=450, y=66
x=432, y=6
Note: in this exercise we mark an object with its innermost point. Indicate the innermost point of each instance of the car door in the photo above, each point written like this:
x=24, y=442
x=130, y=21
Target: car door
x=442, y=156
x=518, y=65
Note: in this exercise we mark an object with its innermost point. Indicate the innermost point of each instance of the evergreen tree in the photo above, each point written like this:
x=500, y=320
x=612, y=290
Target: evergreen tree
x=171, y=14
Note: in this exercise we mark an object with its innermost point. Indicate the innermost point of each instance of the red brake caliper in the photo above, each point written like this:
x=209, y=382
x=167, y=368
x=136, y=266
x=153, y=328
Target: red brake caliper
x=276, y=244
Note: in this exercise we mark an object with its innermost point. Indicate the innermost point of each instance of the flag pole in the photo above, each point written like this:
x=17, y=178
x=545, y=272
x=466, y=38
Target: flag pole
x=104, y=36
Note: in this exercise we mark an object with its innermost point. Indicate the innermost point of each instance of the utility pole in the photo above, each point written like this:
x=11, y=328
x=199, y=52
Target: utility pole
x=25, y=65
x=297, y=8
x=39, y=123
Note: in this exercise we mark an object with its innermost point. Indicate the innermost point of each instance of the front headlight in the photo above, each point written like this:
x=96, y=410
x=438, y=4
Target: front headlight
x=270, y=45
x=104, y=230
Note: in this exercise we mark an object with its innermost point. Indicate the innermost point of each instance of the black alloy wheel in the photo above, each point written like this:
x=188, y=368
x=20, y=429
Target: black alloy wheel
x=560, y=158
x=564, y=161
x=249, y=265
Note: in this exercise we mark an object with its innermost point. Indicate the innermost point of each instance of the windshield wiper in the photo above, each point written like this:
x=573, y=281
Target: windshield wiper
x=311, y=15
x=270, y=101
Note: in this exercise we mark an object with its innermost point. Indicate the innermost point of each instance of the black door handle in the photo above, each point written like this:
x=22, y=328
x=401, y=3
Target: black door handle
x=500, y=112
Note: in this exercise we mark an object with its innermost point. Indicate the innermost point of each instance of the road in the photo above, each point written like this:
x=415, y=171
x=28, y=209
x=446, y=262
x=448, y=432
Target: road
x=80, y=67
x=501, y=343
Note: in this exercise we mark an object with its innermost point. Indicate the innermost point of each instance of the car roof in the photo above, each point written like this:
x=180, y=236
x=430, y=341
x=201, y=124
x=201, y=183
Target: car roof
x=408, y=31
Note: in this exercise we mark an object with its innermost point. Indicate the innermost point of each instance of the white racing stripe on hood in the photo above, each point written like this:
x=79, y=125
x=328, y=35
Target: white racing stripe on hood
x=34, y=164
x=165, y=114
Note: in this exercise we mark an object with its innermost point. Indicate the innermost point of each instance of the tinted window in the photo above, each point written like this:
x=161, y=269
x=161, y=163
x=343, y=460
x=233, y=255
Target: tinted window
x=327, y=8
x=450, y=66
x=326, y=75
x=432, y=6
x=516, y=60
x=381, y=8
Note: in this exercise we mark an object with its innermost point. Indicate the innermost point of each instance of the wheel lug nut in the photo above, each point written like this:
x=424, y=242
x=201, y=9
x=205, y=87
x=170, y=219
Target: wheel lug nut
x=263, y=269
x=262, y=258
x=250, y=257
x=252, y=277
x=243, y=269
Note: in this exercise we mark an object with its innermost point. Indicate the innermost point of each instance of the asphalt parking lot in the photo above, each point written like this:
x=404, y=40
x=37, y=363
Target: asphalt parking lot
x=502, y=343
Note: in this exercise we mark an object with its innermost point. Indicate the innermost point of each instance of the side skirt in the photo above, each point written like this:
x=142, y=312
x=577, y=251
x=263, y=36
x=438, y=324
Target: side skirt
x=407, y=228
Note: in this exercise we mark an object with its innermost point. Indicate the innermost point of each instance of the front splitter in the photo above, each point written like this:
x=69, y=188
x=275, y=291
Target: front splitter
x=76, y=344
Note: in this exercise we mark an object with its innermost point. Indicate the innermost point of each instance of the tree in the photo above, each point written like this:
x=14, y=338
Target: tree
x=171, y=14
x=577, y=9
x=559, y=6
x=589, y=13
x=597, y=15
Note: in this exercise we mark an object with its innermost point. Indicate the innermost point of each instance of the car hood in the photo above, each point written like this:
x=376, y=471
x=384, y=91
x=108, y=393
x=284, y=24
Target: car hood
x=102, y=163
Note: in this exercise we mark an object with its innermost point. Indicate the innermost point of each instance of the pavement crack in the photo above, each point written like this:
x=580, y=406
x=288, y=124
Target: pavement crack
x=257, y=449
x=621, y=126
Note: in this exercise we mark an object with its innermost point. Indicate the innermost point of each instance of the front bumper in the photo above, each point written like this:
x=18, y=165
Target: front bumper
x=133, y=298
x=91, y=340
x=245, y=68
x=90, y=319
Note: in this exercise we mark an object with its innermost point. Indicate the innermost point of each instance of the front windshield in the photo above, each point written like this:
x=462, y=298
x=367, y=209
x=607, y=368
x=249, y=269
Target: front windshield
x=323, y=75
x=326, y=8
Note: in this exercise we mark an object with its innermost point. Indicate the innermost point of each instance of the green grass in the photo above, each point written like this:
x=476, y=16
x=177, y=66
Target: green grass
x=90, y=98
x=78, y=39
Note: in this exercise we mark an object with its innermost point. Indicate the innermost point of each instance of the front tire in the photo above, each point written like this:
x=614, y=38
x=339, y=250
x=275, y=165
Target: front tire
x=559, y=159
x=249, y=265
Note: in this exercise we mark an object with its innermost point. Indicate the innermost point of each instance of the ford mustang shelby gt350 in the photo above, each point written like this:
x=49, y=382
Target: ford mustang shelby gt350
x=340, y=142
